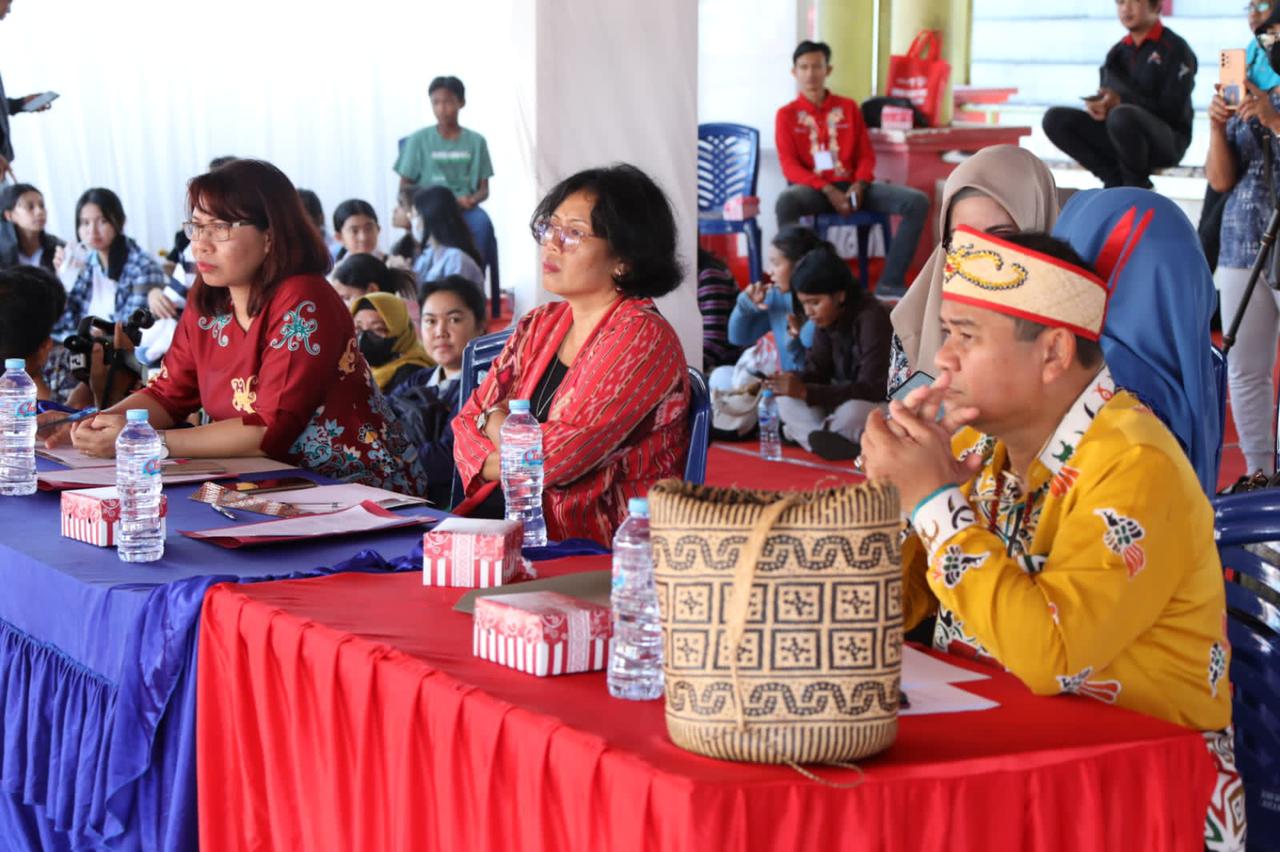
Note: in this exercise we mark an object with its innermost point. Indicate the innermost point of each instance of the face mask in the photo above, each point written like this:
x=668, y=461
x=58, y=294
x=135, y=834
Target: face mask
x=419, y=229
x=376, y=350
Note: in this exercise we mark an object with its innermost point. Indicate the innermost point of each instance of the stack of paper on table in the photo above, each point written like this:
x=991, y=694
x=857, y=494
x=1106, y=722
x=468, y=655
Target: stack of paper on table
x=366, y=517
x=929, y=685
x=174, y=472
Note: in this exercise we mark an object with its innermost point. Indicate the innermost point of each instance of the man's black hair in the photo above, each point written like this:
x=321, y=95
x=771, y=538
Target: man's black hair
x=453, y=84
x=31, y=301
x=807, y=46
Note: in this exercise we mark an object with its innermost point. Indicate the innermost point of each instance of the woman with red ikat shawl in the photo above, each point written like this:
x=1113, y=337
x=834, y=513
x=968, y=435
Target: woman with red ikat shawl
x=604, y=372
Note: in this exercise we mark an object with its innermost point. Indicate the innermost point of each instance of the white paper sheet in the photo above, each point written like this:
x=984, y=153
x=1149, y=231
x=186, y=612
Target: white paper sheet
x=330, y=498
x=355, y=519
x=943, y=698
x=71, y=457
x=206, y=469
x=921, y=669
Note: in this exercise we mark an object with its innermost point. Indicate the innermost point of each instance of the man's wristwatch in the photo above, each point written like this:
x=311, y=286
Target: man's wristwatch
x=482, y=419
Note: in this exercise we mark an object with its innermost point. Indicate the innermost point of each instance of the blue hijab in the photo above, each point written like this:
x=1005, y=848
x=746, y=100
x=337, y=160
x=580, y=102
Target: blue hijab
x=1156, y=335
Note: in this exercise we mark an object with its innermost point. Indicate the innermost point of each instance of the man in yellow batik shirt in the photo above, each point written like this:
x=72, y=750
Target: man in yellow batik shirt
x=1059, y=527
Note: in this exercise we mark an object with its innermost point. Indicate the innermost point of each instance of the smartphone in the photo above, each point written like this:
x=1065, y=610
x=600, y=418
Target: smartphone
x=917, y=379
x=40, y=101
x=262, y=486
x=1231, y=76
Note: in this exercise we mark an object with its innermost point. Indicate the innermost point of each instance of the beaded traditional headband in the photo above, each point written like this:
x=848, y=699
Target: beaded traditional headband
x=987, y=272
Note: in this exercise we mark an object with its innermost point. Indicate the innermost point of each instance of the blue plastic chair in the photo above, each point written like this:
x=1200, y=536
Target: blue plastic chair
x=1247, y=527
x=728, y=165
x=695, y=465
x=864, y=221
x=476, y=358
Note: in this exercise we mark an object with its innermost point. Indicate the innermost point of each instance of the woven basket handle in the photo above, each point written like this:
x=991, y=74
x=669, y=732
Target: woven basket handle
x=740, y=604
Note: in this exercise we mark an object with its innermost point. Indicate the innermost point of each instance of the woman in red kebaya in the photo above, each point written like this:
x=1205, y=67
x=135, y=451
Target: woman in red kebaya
x=603, y=370
x=266, y=347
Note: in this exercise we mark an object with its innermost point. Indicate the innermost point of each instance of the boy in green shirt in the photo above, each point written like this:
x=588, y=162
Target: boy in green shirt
x=447, y=154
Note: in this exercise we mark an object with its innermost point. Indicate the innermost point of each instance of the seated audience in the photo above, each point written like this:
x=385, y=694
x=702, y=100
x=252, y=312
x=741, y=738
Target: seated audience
x=113, y=275
x=1140, y=118
x=404, y=250
x=359, y=274
x=265, y=347
x=355, y=224
x=1002, y=189
x=762, y=308
x=827, y=158
x=603, y=370
x=425, y=405
x=447, y=247
x=388, y=341
x=1062, y=532
x=315, y=212
x=454, y=157
x=717, y=292
x=824, y=407
x=23, y=239
x=31, y=300
x=1237, y=165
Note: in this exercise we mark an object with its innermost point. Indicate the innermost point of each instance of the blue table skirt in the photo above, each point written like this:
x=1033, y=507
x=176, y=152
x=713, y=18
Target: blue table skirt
x=97, y=671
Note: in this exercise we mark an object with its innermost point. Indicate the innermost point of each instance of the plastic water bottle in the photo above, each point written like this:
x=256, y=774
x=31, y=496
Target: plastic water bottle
x=138, y=454
x=770, y=427
x=521, y=439
x=635, y=651
x=17, y=430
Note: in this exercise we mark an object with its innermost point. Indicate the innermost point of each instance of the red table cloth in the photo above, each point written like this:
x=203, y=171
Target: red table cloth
x=740, y=465
x=347, y=713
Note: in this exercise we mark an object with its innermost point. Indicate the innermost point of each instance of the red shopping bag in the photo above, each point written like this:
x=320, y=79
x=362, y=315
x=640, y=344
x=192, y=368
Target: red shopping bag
x=921, y=75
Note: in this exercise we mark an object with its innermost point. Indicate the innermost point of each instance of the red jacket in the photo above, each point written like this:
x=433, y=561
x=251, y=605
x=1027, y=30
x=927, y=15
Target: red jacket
x=802, y=129
x=618, y=423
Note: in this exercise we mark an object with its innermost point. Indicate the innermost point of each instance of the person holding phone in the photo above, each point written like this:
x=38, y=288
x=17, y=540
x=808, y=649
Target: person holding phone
x=824, y=407
x=265, y=347
x=1139, y=120
x=13, y=106
x=1241, y=142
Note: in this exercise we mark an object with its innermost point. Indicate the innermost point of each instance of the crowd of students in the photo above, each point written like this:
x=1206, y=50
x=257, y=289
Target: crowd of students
x=1065, y=477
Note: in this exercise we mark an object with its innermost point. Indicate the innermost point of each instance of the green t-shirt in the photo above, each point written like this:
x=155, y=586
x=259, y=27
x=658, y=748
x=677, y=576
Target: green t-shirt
x=428, y=159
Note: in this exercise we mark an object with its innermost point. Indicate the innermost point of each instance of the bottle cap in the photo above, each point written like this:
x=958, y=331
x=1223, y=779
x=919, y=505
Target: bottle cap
x=518, y=405
x=15, y=364
x=137, y=415
x=767, y=393
x=638, y=506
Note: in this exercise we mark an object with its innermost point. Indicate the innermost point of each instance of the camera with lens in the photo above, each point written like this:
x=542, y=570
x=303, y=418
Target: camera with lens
x=123, y=370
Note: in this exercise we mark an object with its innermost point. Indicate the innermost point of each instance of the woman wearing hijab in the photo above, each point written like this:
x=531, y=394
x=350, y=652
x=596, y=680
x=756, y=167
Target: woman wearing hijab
x=1002, y=189
x=387, y=340
x=1156, y=336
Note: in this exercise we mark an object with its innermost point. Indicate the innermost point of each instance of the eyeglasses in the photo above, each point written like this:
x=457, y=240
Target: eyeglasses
x=1258, y=7
x=219, y=232
x=568, y=237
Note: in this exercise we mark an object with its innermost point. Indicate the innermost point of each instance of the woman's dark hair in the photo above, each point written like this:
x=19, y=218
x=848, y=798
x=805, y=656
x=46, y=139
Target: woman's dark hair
x=453, y=84
x=361, y=270
x=219, y=162
x=256, y=192
x=10, y=194
x=442, y=219
x=352, y=207
x=631, y=214
x=795, y=241
x=465, y=289
x=822, y=270
x=113, y=211
x=315, y=210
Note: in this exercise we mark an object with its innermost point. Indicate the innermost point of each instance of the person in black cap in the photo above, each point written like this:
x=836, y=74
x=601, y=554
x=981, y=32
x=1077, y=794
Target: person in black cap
x=1140, y=118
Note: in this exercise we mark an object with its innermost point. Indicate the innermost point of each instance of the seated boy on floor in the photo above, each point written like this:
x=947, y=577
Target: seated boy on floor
x=31, y=300
x=1062, y=531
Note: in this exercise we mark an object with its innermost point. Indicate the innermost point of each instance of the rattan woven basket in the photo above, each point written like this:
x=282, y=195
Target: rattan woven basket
x=806, y=667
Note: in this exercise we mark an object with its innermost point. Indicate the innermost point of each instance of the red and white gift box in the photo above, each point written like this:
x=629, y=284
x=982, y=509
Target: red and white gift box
x=473, y=553
x=92, y=515
x=897, y=118
x=542, y=633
